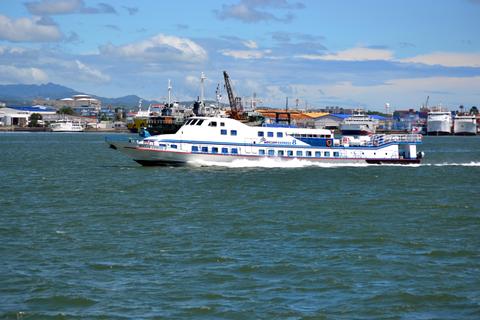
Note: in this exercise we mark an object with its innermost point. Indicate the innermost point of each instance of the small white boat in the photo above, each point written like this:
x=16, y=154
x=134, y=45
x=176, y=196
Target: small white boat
x=215, y=139
x=465, y=125
x=65, y=125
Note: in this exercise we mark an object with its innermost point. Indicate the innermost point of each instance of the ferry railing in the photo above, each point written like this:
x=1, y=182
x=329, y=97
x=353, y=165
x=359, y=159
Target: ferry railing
x=381, y=139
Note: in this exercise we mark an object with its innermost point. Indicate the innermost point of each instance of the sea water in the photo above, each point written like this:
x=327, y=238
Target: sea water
x=86, y=233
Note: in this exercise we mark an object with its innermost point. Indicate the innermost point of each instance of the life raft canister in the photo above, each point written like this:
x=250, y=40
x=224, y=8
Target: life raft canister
x=329, y=142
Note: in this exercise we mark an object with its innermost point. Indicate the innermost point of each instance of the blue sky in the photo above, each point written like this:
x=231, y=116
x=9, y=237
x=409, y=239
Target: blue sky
x=323, y=53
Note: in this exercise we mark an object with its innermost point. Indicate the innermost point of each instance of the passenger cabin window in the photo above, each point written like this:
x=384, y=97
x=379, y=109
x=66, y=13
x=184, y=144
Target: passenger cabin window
x=281, y=153
x=309, y=153
x=290, y=153
x=204, y=149
x=318, y=154
x=234, y=150
x=214, y=150
x=193, y=122
x=261, y=133
x=261, y=152
x=270, y=134
x=174, y=146
x=194, y=149
x=271, y=152
x=222, y=124
x=223, y=132
x=336, y=154
x=279, y=134
x=199, y=123
x=212, y=124
x=188, y=122
x=299, y=153
x=233, y=132
x=224, y=150
x=327, y=153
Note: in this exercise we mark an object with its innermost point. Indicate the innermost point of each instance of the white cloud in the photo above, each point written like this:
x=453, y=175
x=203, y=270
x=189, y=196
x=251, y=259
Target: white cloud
x=25, y=29
x=159, y=47
x=400, y=93
x=53, y=7
x=194, y=84
x=245, y=54
x=447, y=59
x=354, y=54
x=406, y=93
x=11, y=50
x=48, y=7
x=91, y=73
x=253, y=11
x=250, y=44
x=192, y=81
x=12, y=74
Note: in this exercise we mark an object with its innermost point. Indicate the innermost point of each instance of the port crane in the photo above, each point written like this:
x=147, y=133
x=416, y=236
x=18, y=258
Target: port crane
x=236, y=107
x=426, y=102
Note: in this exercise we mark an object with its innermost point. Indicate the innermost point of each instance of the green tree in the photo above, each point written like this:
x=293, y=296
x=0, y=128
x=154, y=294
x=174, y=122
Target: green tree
x=65, y=110
x=34, y=118
x=474, y=110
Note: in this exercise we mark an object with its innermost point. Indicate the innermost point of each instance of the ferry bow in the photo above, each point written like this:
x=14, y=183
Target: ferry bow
x=215, y=139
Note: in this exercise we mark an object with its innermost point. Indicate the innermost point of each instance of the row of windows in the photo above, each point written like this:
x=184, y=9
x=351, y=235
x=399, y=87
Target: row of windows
x=214, y=150
x=271, y=134
x=224, y=132
x=298, y=135
x=194, y=122
x=298, y=153
x=199, y=122
x=214, y=124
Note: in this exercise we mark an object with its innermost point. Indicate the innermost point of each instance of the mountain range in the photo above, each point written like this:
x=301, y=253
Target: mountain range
x=23, y=94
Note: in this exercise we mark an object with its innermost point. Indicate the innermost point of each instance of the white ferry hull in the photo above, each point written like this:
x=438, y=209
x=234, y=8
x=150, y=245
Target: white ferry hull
x=358, y=125
x=439, y=123
x=355, y=130
x=204, y=140
x=465, y=128
x=438, y=127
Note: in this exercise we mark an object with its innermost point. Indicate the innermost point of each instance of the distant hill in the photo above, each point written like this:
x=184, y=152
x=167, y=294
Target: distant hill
x=130, y=101
x=25, y=93
x=21, y=94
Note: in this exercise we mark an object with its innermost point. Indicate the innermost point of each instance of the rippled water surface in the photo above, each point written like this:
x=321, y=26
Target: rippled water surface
x=86, y=233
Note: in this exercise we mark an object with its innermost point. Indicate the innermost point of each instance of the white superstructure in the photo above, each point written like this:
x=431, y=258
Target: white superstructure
x=67, y=126
x=225, y=140
x=358, y=124
x=465, y=125
x=439, y=123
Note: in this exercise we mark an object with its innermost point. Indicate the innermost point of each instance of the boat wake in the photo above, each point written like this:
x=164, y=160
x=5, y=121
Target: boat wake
x=446, y=164
x=295, y=163
x=273, y=163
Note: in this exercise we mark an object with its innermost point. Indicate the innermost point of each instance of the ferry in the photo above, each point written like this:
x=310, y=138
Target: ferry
x=358, y=124
x=465, y=125
x=439, y=122
x=219, y=139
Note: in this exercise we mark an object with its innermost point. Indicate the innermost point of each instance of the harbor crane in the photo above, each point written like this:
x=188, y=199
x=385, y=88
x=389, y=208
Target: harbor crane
x=236, y=107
